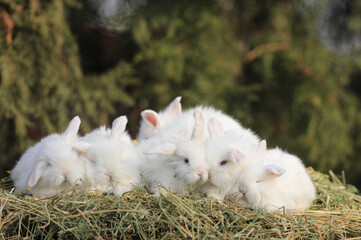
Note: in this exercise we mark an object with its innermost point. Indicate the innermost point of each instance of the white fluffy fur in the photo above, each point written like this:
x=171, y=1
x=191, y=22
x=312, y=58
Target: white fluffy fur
x=275, y=180
x=169, y=169
x=180, y=132
x=224, y=168
x=152, y=122
x=51, y=165
x=112, y=160
x=253, y=175
x=165, y=158
x=172, y=122
x=182, y=126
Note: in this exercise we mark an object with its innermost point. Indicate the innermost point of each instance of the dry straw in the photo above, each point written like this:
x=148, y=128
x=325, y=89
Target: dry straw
x=335, y=215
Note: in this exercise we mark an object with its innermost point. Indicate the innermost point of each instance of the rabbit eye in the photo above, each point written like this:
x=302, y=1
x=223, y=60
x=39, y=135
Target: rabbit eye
x=186, y=160
x=224, y=162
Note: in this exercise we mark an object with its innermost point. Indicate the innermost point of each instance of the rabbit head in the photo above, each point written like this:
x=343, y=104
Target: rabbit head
x=224, y=156
x=186, y=156
x=111, y=157
x=255, y=185
x=60, y=160
x=152, y=122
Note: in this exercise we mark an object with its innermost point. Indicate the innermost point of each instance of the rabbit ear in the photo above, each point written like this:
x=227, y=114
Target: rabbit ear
x=118, y=127
x=81, y=147
x=236, y=156
x=272, y=171
x=198, y=131
x=215, y=128
x=36, y=173
x=151, y=117
x=73, y=128
x=262, y=146
x=163, y=149
x=174, y=109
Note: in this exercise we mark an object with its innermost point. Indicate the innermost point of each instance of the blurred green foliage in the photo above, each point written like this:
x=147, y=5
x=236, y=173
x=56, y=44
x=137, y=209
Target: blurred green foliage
x=266, y=63
x=42, y=85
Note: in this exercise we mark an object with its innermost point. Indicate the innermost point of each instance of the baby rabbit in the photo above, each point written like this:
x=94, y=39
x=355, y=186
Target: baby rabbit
x=153, y=122
x=112, y=165
x=174, y=163
x=259, y=178
x=223, y=158
x=53, y=164
x=274, y=180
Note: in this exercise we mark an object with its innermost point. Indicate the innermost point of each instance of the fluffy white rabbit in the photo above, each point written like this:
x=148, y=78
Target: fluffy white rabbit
x=152, y=122
x=175, y=163
x=274, y=180
x=113, y=161
x=255, y=176
x=53, y=164
x=224, y=167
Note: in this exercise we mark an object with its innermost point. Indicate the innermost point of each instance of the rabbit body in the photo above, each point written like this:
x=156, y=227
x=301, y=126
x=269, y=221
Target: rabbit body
x=173, y=122
x=254, y=176
x=274, y=182
x=182, y=126
x=51, y=165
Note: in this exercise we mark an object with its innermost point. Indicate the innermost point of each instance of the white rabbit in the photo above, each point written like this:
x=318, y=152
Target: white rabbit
x=113, y=161
x=153, y=122
x=53, y=164
x=274, y=180
x=237, y=166
x=175, y=163
x=224, y=167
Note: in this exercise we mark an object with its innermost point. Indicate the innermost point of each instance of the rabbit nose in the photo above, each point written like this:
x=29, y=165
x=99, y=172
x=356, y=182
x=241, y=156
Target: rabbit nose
x=243, y=191
x=110, y=175
x=65, y=175
x=200, y=174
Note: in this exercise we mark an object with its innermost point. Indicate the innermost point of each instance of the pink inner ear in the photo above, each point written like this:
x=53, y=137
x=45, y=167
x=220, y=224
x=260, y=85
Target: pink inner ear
x=175, y=108
x=174, y=112
x=262, y=147
x=274, y=171
x=215, y=128
x=151, y=119
x=236, y=156
x=198, y=131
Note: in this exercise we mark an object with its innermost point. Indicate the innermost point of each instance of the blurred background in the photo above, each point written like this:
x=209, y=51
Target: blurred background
x=288, y=69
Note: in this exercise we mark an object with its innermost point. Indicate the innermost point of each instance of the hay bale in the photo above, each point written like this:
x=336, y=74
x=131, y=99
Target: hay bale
x=335, y=214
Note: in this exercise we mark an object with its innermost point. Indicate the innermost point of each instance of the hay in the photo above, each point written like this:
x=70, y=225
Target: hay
x=335, y=214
